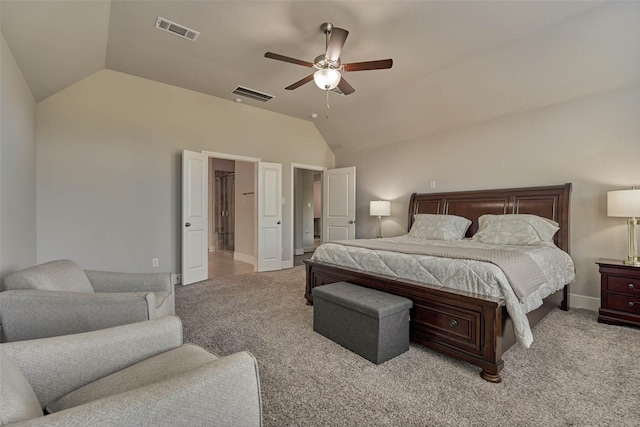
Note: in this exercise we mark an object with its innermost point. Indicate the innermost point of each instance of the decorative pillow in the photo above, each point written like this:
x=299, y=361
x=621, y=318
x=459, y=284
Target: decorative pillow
x=439, y=227
x=519, y=229
x=18, y=402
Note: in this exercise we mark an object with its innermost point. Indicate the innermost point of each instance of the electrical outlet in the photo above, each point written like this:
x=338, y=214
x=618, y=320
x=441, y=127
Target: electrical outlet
x=176, y=279
x=155, y=262
x=432, y=184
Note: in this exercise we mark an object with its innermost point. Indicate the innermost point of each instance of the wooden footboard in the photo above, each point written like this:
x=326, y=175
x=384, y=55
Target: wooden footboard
x=460, y=324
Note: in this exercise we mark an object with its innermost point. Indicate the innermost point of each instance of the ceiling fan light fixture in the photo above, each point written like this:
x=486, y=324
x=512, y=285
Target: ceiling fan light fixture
x=327, y=78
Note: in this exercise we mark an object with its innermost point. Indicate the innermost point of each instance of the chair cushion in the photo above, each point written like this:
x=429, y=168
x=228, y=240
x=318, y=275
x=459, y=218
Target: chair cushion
x=18, y=402
x=165, y=305
x=174, y=362
x=60, y=275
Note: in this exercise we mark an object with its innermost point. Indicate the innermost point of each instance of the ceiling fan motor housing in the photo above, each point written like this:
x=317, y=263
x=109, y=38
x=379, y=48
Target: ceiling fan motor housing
x=321, y=62
x=326, y=27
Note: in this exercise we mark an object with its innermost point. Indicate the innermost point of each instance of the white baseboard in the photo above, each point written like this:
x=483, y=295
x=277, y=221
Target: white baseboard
x=581, y=301
x=249, y=259
x=298, y=251
x=287, y=263
x=309, y=249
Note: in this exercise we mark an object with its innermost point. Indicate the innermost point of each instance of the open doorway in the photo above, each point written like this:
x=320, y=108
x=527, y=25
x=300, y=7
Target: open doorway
x=307, y=212
x=264, y=251
x=232, y=212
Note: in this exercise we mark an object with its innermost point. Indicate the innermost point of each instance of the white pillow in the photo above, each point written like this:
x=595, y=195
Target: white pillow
x=519, y=229
x=439, y=227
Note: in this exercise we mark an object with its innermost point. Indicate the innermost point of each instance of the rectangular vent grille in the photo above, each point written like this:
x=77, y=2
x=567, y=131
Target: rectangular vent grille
x=253, y=94
x=176, y=29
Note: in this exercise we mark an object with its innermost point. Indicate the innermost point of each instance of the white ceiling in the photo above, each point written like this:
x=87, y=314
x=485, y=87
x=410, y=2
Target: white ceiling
x=455, y=62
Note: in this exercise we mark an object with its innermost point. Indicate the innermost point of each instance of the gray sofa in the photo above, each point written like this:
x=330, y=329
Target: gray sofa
x=60, y=298
x=130, y=375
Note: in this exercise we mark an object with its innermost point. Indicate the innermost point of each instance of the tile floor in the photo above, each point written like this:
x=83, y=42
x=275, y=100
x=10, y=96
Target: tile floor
x=222, y=264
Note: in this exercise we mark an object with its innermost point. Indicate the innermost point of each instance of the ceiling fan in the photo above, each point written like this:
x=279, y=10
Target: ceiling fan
x=329, y=68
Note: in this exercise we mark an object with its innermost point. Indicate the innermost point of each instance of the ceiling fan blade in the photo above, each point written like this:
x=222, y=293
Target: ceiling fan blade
x=369, y=65
x=336, y=41
x=345, y=87
x=300, y=82
x=279, y=57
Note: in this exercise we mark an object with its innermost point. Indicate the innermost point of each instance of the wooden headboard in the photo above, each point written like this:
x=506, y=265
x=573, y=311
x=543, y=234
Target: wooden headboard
x=549, y=202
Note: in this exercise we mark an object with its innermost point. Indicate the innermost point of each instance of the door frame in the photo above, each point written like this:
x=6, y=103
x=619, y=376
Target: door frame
x=256, y=161
x=295, y=166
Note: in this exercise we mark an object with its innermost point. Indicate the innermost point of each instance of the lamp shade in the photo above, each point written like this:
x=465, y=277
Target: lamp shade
x=624, y=203
x=327, y=78
x=379, y=208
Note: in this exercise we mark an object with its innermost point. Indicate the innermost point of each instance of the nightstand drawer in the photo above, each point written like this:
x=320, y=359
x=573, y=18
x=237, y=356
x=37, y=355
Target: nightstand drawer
x=626, y=303
x=619, y=293
x=625, y=285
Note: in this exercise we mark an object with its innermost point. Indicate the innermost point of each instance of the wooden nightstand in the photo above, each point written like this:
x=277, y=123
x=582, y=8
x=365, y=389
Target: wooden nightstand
x=620, y=293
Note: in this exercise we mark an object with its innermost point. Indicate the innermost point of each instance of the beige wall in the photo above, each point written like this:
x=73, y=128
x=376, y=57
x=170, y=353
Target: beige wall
x=245, y=211
x=593, y=143
x=17, y=168
x=298, y=223
x=307, y=210
x=109, y=165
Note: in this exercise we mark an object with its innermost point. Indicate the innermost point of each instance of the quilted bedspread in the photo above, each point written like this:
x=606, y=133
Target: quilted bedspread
x=464, y=274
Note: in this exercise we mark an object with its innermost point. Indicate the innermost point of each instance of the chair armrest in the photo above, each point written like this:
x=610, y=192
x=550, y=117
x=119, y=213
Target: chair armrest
x=30, y=314
x=224, y=392
x=58, y=365
x=108, y=281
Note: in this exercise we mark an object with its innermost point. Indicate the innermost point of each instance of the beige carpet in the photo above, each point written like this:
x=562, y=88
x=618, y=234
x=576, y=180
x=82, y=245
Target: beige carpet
x=577, y=373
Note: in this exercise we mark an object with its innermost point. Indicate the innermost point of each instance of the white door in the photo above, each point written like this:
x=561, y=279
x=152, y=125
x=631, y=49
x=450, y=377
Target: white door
x=269, y=216
x=194, y=217
x=339, y=204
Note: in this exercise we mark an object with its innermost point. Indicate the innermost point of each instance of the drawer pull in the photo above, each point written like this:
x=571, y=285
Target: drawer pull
x=631, y=303
x=453, y=322
x=630, y=285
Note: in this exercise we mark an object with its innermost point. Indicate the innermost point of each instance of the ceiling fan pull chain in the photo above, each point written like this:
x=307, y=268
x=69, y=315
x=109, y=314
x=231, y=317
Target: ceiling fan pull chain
x=328, y=108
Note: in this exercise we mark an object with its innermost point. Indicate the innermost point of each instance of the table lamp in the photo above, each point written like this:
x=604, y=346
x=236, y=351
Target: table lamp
x=379, y=208
x=626, y=203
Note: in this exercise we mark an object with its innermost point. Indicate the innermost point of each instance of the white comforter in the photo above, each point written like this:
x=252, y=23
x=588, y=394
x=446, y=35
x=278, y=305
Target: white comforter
x=468, y=275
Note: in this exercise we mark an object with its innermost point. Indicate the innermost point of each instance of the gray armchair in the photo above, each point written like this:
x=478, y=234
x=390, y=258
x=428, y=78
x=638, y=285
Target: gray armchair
x=59, y=298
x=133, y=375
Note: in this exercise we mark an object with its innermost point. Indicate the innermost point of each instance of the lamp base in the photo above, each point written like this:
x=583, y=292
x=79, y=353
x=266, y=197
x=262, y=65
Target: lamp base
x=632, y=258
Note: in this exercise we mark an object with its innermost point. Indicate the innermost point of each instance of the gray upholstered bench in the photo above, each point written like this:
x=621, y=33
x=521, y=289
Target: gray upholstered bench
x=371, y=323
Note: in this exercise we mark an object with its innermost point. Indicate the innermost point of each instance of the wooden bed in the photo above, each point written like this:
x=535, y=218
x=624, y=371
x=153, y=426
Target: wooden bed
x=464, y=325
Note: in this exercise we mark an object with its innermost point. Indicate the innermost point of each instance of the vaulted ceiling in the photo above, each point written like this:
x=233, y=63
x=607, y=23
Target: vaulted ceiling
x=455, y=62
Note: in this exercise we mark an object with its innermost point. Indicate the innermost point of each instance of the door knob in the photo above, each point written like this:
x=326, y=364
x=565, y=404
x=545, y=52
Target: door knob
x=279, y=222
x=352, y=222
x=188, y=224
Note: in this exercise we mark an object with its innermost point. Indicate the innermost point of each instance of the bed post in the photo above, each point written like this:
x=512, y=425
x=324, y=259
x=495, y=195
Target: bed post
x=565, y=298
x=566, y=195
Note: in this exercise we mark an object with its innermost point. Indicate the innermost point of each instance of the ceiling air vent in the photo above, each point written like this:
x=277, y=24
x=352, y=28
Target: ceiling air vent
x=176, y=29
x=253, y=94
